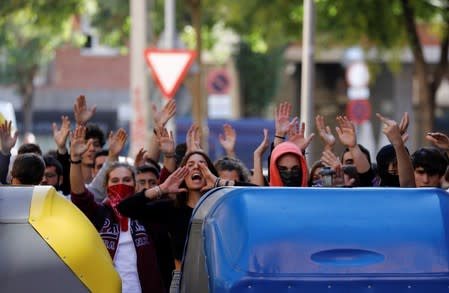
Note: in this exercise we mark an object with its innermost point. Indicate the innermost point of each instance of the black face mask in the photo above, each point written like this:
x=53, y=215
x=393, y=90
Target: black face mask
x=387, y=179
x=291, y=178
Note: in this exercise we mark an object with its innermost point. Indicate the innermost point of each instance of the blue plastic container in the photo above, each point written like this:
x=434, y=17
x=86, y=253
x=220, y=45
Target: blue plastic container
x=325, y=240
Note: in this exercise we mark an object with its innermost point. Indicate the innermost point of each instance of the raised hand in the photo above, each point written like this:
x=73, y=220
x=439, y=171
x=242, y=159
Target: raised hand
x=193, y=138
x=161, y=118
x=208, y=176
x=258, y=177
x=165, y=140
x=439, y=139
x=403, y=125
x=282, y=118
x=263, y=146
x=171, y=184
x=78, y=145
x=346, y=131
x=325, y=132
x=60, y=135
x=8, y=141
x=330, y=159
x=139, y=160
x=81, y=112
x=296, y=135
x=117, y=143
x=228, y=139
x=392, y=130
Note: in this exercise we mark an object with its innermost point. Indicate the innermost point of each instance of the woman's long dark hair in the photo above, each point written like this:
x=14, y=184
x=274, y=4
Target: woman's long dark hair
x=181, y=198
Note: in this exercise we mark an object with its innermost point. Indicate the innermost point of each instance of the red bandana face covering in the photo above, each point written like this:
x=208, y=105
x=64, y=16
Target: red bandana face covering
x=116, y=193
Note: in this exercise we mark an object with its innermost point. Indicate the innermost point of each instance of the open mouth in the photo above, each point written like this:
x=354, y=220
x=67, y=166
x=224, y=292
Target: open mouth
x=196, y=177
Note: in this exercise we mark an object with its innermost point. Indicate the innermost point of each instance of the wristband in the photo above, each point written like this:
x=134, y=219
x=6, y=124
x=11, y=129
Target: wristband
x=75, y=162
x=280, y=137
x=217, y=182
x=159, y=192
x=170, y=155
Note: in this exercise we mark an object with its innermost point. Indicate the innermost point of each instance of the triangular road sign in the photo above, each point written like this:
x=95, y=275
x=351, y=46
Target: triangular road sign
x=169, y=68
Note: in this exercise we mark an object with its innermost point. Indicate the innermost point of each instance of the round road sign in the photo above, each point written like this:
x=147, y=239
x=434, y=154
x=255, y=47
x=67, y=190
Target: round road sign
x=218, y=82
x=358, y=111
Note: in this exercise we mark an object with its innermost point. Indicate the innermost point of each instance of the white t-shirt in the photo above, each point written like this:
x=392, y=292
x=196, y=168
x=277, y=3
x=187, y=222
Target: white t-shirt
x=125, y=262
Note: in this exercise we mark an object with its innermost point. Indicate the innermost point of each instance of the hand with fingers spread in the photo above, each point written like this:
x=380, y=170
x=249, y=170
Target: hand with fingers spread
x=296, y=135
x=60, y=135
x=161, y=118
x=172, y=183
x=346, y=131
x=193, y=138
x=139, y=160
x=325, y=133
x=165, y=140
x=347, y=136
x=440, y=140
x=117, y=143
x=7, y=139
x=81, y=111
x=228, y=139
x=211, y=179
x=281, y=121
x=78, y=144
x=330, y=159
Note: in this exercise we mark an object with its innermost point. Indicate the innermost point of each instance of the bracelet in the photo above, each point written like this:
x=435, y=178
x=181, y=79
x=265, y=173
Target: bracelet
x=75, y=162
x=170, y=155
x=159, y=192
x=281, y=137
x=217, y=182
x=226, y=183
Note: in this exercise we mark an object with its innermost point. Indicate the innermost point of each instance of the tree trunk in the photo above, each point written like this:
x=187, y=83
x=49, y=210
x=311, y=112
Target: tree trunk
x=26, y=90
x=424, y=109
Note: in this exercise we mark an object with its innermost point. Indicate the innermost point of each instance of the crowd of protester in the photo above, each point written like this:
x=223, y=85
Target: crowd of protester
x=143, y=209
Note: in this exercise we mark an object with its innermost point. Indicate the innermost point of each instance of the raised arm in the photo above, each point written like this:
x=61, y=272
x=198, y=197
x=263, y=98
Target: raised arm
x=60, y=136
x=258, y=177
x=193, y=138
x=81, y=112
x=440, y=140
x=325, y=133
x=281, y=122
x=296, y=135
x=167, y=147
x=346, y=134
x=228, y=139
x=117, y=143
x=405, y=167
x=8, y=141
x=78, y=146
x=160, y=119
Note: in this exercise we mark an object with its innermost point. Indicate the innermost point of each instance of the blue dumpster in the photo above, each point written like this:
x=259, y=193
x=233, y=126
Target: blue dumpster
x=318, y=240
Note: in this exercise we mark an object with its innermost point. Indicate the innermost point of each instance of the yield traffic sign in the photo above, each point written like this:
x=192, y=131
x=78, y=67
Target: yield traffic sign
x=169, y=68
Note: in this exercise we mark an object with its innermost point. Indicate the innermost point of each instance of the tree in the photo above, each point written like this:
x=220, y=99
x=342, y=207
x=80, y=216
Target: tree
x=30, y=31
x=392, y=25
x=387, y=25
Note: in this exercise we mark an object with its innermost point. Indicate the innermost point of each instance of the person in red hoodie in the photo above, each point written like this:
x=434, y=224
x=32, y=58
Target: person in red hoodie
x=288, y=166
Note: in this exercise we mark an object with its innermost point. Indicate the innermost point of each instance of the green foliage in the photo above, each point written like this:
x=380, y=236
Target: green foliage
x=259, y=77
x=30, y=30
